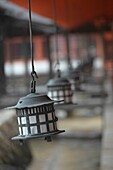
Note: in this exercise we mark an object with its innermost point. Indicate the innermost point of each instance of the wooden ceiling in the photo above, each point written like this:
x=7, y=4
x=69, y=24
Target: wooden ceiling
x=78, y=12
x=15, y=19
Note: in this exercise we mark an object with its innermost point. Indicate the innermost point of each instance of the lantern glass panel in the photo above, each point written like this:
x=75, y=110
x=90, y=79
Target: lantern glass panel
x=43, y=128
x=53, y=115
x=55, y=126
x=18, y=120
x=49, y=94
x=33, y=130
x=55, y=93
x=61, y=93
x=67, y=99
x=32, y=119
x=20, y=132
x=42, y=118
x=61, y=98
x=66, y=92
x=50, y=116
x=23, y=120
x=51, y=128
x=25, y=130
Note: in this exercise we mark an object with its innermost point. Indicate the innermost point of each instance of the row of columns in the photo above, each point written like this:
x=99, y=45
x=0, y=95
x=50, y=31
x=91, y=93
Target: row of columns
x=2, y=58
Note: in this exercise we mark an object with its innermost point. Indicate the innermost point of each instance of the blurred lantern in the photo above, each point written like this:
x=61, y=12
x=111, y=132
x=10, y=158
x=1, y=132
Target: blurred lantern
x=59, y=88
x=75, y=79
x=35, y=112
x=86, y=69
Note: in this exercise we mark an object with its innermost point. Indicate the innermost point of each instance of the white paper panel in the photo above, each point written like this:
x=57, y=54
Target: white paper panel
x=23, y=120
x=55, y=93
x=61, y=98
x=66, y=92
x=51, y=127
x=50, y=116
x=67, y=99
x=25, y=130
x=20, y=131
x=33, y=130
x=43, y=128
x=55, y=126
x=18, y=120
x=61, y=93
x=49, y=94
x=42, y=118
x=32, y=119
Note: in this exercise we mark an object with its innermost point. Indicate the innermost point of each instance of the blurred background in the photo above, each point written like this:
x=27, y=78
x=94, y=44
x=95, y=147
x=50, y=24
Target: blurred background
x=80, y=34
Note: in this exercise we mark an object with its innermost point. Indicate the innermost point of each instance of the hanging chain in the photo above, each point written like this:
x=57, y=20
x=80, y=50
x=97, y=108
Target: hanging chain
x=56, y=38
x=33, y=73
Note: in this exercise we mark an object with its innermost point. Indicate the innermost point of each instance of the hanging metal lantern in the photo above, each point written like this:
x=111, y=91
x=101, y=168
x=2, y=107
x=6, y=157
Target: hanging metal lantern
x=59, y=89
x=75, y=79
x=36, y=117
x=87, y=68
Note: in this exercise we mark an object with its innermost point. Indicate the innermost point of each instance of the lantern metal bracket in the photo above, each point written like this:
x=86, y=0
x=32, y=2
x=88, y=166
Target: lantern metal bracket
x=33, y=82
x=58, y=73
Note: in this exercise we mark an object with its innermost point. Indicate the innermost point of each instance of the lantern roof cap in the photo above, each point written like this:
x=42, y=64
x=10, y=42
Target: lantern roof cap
x=32, y=100
x=71, y=73
x=58, y=81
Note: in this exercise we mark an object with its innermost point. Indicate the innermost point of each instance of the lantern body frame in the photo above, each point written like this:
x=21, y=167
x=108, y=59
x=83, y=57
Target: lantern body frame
x=36, y=117
x=75, y=79
x=59, y=89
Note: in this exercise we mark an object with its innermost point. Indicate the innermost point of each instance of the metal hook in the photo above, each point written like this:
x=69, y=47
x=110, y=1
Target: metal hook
x=33, y=82
x=33, y=75
x=58, y=73
x=57, y=66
